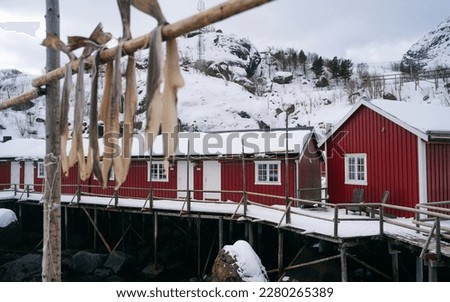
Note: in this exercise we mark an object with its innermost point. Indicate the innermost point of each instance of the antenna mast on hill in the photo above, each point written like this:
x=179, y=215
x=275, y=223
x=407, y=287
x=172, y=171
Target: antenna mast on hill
x=201, y=41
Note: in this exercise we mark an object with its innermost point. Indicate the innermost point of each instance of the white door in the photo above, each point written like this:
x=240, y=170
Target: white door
x=182, y=179
x=15, y=173
x=29, y=174
x=211, y=180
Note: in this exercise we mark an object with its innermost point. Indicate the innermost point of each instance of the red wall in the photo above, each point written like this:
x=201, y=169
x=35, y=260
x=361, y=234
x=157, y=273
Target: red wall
x=438, y=172
x=5, y=175
x=392, y=160
x=231, y=174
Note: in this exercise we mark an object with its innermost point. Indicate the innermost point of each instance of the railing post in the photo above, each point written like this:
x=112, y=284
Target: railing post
x=438, y=239
x=116, y=198
x=28, y=191
x=336, y=220
x=381, y=220
x=188, y=181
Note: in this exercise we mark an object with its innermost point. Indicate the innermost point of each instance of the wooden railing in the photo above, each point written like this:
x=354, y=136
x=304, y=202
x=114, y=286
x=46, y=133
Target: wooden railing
x=429, y=217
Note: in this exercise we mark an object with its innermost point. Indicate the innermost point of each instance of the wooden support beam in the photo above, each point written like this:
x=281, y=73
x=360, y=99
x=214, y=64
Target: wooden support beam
x=155, y=239
x=344, y=273
x=97, y=230
x=221, y=244
x=170, y=31
x=432, y=271
x=280, y=251
x=419, y=269
x=370, y=267
x=199, y=251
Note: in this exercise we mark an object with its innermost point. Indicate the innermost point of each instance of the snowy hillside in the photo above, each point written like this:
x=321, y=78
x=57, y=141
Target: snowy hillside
x=233, y=87
x=433, y=50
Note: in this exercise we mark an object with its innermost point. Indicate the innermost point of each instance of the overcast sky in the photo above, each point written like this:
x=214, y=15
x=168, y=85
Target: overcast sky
x=373, y=31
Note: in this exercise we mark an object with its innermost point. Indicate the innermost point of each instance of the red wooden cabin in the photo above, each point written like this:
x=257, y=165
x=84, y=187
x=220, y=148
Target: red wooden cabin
x=396, y=146
x=217, y=162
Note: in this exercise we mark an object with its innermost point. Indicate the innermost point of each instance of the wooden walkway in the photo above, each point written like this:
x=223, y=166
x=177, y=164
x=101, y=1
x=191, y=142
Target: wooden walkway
x=323, y=221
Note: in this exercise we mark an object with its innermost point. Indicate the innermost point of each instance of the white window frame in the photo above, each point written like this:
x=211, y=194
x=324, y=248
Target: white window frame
x=40, y=169
x=267, y=168
x=161, y=176
x=353, y=161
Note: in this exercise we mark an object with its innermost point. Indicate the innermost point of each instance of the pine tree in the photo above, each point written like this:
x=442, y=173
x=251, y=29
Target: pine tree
x=317, y=67
x=334, y=68
x=346, y=69
x=302, y=58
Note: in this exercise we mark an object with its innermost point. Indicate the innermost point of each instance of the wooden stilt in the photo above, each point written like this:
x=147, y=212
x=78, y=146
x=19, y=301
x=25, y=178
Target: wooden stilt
x=155, y=239
x=199, y=254
x=221, y=233
x=419, y=269
x=280, y=251
x=95, y=233
x=251, y=237
x=344, y=275
x=395, y=272
x=122, y=220
x=66, y=229
x=230, y=232
x=432, y=271
x=259, y=228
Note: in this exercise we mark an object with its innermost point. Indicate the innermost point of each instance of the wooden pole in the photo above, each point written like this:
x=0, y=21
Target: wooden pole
x=419, y=269
x=432, y=271
x=344, y=276
x=51, y=258
x=200, y=20
x=199, y=252
x=155, y=239
x=220, y=233
x=280, y=251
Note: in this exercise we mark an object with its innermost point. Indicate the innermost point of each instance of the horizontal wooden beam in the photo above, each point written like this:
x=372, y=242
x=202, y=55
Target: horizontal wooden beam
x=200, y=20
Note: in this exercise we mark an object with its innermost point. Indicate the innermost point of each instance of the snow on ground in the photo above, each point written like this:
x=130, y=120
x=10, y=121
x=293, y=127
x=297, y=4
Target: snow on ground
x=7, y=217
x=250, y=268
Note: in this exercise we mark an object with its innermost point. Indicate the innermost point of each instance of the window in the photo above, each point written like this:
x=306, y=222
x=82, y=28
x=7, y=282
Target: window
x=157, y=172
x=40, y=170
x=356, y=169
x=267, y=172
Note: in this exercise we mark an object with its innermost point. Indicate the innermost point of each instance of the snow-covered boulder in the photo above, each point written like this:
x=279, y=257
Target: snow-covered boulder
x=283, y=77
x=238, y=262
x=7, y=217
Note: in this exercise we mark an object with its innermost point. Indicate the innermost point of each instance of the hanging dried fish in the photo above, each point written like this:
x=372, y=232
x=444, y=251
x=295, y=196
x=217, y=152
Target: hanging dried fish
x=153, y=104
x=97, y=39
x=76, y=151
x=93, y=161
x=150, y=7
x=53, y=42
x=112, y=127
x=128, y=121
x=64, y=118
x=105, y=109
x=172, y=81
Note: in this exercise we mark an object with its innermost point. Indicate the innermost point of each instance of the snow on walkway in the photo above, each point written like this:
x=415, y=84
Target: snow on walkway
x=308, y=221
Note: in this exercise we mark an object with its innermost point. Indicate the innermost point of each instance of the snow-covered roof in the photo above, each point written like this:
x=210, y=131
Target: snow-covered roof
x=208, y=144
x=420, y=119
